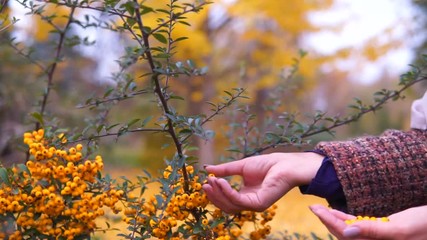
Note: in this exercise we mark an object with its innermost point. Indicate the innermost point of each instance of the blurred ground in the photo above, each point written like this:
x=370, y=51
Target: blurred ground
x=292, y=213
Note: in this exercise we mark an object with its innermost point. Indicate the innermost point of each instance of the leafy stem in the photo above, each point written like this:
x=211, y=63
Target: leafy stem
x=159, y=92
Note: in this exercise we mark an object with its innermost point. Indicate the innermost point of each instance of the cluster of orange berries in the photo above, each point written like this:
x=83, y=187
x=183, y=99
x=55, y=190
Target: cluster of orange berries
x=57, y=194
x=233, y=231
x=185, y=206
x=164, y=216
x=366, y=218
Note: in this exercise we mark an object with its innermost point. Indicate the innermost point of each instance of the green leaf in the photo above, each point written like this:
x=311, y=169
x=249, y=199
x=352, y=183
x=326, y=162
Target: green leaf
x=129, y=6
x=176, y=97
x=185, y=131
x=191, y=63
x=76, y=136
x=180, y=39
x=233, y=150
x=145, y=10
x=132, y=122
x=160, y=38
x=99, y=128
x=204, y=70
x=4, y=176
x=146, y=120
x=164, y=146
x=112, y=126
x=38, y=117
x=209, y=134
x=162, y=55
x=185, y=23
x=23, y=168
x=163, y=11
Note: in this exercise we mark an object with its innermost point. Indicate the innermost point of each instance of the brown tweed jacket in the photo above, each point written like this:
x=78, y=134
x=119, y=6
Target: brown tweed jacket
x=381, y=175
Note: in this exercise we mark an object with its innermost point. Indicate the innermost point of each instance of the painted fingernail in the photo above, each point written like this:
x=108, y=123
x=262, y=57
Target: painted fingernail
x=351, y=231
x=313, y=209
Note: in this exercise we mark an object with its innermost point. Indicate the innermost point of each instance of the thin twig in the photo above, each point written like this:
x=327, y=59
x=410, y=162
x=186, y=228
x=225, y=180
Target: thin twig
x=219, y=109
x=119, y=133
x=140, y=42
x=99, y=9
x=5, y=27
x=119, y=98
x=177, y=16
x=29, y=58
x=3, y=6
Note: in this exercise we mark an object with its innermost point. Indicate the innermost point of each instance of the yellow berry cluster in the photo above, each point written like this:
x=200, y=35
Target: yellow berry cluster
x=57, y=195
x=163, y=217
x=185, y=212
x=233, y=231
x=366, y=218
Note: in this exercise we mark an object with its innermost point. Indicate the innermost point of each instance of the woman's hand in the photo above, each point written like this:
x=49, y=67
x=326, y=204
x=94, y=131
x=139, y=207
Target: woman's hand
x=410, y=224
x=266, y=178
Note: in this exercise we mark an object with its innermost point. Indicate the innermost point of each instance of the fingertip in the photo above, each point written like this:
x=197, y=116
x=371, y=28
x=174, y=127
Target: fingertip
x=211, y=180
x=207, y=187
x=352, y=231
x=314, y=207
x=317, y=208
x=208, y=167
x=222, y=183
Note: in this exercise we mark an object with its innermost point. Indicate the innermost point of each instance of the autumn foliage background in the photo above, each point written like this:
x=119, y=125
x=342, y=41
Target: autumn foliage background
x=256, y=45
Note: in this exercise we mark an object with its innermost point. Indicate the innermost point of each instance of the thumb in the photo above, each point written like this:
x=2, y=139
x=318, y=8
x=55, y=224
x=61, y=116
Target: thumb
x=370, y=229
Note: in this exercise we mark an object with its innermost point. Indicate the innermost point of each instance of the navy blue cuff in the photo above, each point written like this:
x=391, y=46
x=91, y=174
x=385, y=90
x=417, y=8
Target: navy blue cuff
x=326, y=185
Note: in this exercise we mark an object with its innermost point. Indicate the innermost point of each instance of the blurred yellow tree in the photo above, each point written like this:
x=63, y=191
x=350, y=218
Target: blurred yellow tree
x=244, y=43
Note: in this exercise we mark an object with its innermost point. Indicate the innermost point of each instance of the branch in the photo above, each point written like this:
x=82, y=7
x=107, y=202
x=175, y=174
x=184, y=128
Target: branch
x=159, y=92
x=52, y=69
x=219, y=109
x=311, y=131
x=99, y=9
x=5, y=27
x=133, y=33
x=116, y=134
x=119, y=98
x=3, y=6
x=177, y=16
x=29, y=58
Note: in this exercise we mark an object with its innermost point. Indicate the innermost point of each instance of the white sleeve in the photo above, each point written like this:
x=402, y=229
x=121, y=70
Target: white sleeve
x=419, y=113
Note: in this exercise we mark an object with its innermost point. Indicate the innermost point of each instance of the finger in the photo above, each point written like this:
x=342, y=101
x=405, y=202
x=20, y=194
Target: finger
x=226, y=169
x=370, y=230
x=215, y=194
x=234, y=199
x=332, y=223
x=341, y=215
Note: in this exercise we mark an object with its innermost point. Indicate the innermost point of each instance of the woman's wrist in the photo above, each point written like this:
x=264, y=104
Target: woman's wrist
x=306, y=165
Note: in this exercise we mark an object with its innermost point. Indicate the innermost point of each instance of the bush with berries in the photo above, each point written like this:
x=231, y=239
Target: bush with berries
x=60, y=191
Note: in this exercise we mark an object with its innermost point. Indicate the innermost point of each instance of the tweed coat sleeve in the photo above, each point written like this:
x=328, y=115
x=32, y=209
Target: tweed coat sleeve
x=381, y=175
